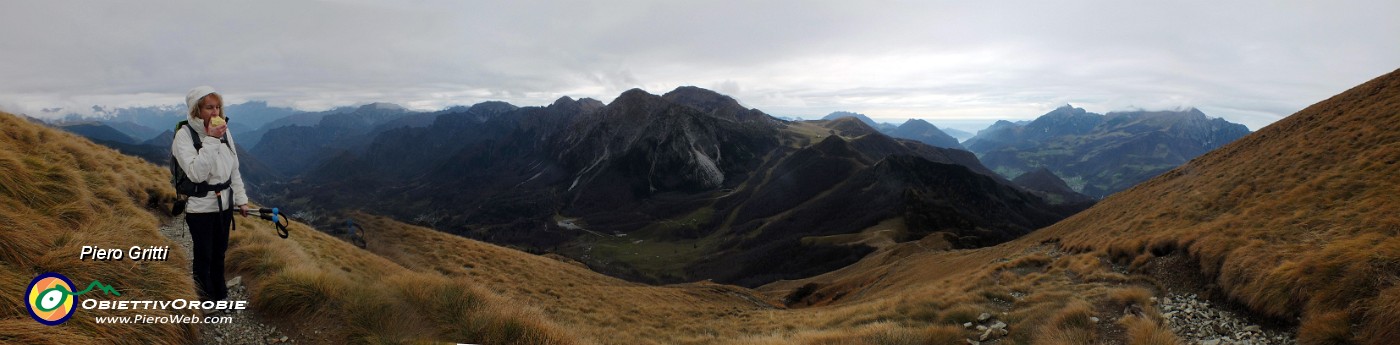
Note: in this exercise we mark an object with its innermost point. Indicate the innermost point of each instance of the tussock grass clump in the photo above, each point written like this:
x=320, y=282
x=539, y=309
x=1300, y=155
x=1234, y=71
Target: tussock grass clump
x=1146, y=331
x=896, y=336
x=1386, y=324
x=1071, y=325
x=298, y=291
x=1131, y=296
x=942, y=334
x=1034, y=260
x=961, y=313
x=17, y=331
x=1326, y=329
x=59, y=192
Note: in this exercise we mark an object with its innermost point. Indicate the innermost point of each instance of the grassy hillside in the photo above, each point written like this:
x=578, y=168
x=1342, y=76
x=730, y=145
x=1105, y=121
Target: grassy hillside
x=1298, y=222
x=613, y=311
x=603, y=308
x=437, y=287
x=431, y=287
x=59, y=192
x=328, y=291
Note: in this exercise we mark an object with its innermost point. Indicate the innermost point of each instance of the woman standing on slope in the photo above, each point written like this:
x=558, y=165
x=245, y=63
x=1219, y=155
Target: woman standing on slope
x=211, y=164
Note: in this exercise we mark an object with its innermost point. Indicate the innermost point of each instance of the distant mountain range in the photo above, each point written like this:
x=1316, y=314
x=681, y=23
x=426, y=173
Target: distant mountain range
x=858, y=116
x=728, y=192
x=248, y=121
x=915, y=129
x=1288, y=235
x=1294, y=226
x=1098, y=154
x=290, y=147
x=725, y=192
x=157, y=150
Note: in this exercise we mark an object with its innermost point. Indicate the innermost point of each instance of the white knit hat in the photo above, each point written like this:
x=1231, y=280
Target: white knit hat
x=192, y=99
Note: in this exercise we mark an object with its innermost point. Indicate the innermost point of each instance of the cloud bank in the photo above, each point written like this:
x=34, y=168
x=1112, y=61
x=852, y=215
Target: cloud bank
x=1250, y=62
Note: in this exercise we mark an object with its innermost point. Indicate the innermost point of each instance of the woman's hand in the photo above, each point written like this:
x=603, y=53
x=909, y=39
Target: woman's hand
x=217, y=131
x=243, y=209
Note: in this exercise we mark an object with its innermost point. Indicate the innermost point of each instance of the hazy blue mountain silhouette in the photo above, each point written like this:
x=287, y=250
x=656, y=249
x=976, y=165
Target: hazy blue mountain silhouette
x=1102, y=154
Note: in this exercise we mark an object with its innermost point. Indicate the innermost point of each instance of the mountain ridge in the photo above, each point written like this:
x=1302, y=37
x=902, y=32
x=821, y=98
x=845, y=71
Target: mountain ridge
x=688, y=168
x=1294, y=224
x=927, y=133
x=1102, y=154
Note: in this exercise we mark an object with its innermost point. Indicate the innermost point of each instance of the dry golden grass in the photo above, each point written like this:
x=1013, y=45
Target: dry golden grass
x=598, y=307
x=314, y=282
x=1070, y=326
x=872, y=334
x=1146, y=331
x=1386, y=324
x=914, y=292
x=1133, y=296
x=1329, y=328
x=609, y=310
x=1300, y=219
x=804, y=133
x=1043, y=294
x=59, y=192
x=453, y=289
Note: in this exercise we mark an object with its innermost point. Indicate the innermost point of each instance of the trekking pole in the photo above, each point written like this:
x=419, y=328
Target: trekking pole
x=356, y=233
x=274, y=215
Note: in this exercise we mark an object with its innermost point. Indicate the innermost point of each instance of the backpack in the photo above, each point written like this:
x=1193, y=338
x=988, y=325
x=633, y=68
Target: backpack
x=183, y=186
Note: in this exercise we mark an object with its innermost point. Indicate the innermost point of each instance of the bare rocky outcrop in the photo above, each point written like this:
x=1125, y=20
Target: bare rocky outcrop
x=1199, y=322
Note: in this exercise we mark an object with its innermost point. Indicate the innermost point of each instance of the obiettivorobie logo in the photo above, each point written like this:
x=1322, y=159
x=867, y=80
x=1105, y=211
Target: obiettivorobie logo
x=51, y=300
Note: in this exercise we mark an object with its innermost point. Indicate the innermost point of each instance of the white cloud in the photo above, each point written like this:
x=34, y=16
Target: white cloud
x=1251, y=62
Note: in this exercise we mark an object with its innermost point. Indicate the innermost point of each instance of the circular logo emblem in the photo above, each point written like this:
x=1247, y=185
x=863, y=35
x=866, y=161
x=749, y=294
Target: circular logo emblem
x=50, y=298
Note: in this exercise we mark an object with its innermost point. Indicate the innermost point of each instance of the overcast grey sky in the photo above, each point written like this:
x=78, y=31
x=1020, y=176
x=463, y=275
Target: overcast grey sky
x=949, y=62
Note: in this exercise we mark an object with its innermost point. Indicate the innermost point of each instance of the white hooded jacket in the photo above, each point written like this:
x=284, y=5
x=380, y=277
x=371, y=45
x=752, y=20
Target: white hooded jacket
x=214, y=163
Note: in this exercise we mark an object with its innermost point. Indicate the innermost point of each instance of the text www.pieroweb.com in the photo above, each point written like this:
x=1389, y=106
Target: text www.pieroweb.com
x=179, y=304
x=153, y=319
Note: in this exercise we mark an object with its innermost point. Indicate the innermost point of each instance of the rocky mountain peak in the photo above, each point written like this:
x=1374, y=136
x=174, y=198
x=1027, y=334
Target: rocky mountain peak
x=840, y=114
x=927, y=133
x=634, y=95
x=714, y=104
x=834, y=146
x=850, y=126
x=917, y=124
x=583, y=104
x=705, y=99
x=1062, y=121
x=382, y=106
x=564, y=100
x=493, y=107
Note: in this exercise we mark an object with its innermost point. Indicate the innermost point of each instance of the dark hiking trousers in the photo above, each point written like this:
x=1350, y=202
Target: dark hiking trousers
x=209, y=232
